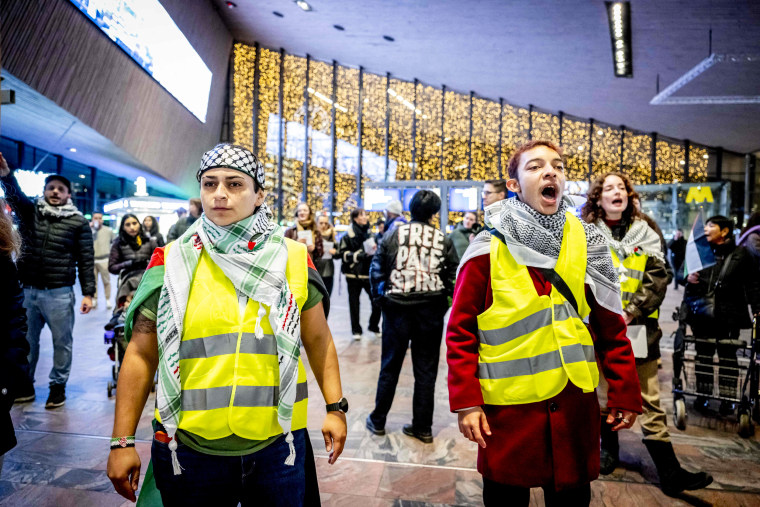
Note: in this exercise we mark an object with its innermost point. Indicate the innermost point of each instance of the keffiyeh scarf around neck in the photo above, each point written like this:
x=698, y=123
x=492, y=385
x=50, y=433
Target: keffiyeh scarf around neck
x=639, y=236
x=258, y=272
x=64, y=211
x=535, y=239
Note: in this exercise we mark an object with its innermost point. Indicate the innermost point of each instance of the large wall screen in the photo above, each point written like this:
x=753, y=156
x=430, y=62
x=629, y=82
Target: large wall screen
x=146, y=32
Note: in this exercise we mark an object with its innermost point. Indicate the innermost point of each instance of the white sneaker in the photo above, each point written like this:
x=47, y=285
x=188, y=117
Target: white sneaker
x=109, y=305
x=357, y=336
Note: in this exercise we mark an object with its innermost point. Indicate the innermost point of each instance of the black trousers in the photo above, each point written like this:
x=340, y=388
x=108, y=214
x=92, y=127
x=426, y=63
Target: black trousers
x=726, y=341
x=502, y=495
x=422, y=324
x=355, y=287
x=328, y=281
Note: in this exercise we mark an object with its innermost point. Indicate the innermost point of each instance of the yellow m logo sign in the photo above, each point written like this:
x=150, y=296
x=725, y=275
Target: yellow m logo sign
x=699, y=194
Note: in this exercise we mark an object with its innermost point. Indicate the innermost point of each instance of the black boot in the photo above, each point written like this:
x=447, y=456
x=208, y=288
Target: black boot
x=609, y=458
x=673, y=478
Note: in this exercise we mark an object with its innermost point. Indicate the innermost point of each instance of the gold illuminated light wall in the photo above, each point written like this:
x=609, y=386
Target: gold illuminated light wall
x=411, y=130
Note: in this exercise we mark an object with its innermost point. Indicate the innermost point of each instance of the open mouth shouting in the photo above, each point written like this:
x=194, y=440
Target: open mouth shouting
x=617, y=201
x=550, y=194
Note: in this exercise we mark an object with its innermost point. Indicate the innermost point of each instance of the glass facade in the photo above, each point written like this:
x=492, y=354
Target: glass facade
x=347, y=126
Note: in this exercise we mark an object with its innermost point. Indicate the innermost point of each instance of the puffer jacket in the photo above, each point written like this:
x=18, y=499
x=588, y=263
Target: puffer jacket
x=355, y=261
x=53, y=248
x=415, y=263
x=738, y=287
x=14, y=368
x=648, y=297
x=124, y=260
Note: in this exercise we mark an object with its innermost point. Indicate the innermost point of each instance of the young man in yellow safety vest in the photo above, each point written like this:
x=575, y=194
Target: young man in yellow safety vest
x=638, y=256
x=522, y=362
x=221, y=313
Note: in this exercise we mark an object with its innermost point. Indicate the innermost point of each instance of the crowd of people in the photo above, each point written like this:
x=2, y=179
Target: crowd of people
x=552, y=339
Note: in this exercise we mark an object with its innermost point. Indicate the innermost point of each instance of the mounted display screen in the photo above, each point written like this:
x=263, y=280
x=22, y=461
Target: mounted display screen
x=146, y=32
x=375, y=199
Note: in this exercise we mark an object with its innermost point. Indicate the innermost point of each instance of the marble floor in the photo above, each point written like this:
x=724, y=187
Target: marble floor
x=61, y=456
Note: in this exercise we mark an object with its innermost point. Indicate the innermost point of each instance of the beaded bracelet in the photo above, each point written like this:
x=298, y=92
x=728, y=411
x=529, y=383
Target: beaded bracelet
x=121, y=442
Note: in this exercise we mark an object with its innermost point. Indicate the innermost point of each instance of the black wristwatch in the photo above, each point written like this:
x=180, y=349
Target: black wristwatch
x=341, y=406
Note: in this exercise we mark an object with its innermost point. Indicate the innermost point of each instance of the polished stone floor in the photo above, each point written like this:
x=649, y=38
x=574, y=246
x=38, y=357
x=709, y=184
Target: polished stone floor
x=61, y=456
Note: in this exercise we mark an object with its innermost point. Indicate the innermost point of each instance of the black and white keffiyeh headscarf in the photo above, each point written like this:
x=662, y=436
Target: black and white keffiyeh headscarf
x=535, y=239
x=235, y=157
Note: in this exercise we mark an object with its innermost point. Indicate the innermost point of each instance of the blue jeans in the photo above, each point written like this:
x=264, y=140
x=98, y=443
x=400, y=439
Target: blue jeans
x=261, y=478
x=54, y=307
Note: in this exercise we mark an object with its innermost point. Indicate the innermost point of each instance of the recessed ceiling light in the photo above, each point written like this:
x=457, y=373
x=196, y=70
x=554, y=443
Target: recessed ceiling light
x=339, y=28
x=304, y=5
x=278, y=14
x=230, y=5
x=73, y=150
x=388, y=38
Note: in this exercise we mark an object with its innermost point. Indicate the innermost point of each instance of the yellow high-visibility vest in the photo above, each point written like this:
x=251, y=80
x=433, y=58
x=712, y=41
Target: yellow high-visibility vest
x=230, y=379
x=635, y=266
x=531, y=345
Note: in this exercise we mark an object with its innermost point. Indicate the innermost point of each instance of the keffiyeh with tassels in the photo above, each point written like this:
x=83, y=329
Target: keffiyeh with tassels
x=535, y=239
x=259, y=274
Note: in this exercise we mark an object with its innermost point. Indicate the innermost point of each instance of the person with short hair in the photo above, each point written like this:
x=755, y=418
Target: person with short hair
x=394, y=215
x=522, y=360
x=639, y=256
x=356, y=251
x=222, y=313
x=179, y=228
x=57, y=241
x=102, y=236
x=412, y=276
x=715, y=302
x=464, y=232
x=494, y=191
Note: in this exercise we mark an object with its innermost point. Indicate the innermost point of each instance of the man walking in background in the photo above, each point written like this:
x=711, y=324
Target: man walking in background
x=102, y=237
x=178, y=229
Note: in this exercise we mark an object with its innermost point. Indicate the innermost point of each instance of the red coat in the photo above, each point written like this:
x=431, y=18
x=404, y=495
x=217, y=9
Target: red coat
x=552, y=443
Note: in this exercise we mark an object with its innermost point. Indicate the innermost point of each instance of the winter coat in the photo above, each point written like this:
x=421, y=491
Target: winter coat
x=555, y=442
x=677, y=250
x=460, y=236
x=53, y=248
x=14, y=368
x=326, y=267
x=316, y=254
x=648, y=297
x=355, y=261
x=179, y=228
x=428, y=260
x=737, y=288
x=125, y=260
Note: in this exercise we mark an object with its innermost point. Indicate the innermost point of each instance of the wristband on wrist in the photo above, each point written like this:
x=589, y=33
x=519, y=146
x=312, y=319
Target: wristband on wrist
x=122, y=442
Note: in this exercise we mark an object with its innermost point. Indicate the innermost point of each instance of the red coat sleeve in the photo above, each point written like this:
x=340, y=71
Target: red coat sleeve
x=615, y=357
x=471, y=293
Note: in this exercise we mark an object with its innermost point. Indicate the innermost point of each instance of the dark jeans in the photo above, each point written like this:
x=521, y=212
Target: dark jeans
x=726, y=341
x=355, y=287
x=261, y=478
x=423, y=325
x=497, y=494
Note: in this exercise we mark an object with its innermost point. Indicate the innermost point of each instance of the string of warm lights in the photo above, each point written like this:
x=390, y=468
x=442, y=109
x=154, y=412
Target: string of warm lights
x=431, y=148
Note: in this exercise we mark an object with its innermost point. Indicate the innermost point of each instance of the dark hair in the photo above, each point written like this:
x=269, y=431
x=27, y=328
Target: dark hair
x=723, y=223
x=592, y=210
x=424, y=205
x=470, y=212
x=10, y=241
x=154, y=225
x=498, y=185
x=197, y=202
x=752, y=221
x=126, y=238
x=514, y=160
x=356, y=212
x=58, y=177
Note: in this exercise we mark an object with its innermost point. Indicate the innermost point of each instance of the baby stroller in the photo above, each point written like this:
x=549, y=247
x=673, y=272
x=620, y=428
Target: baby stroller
x=114, y=334
x=747, y=373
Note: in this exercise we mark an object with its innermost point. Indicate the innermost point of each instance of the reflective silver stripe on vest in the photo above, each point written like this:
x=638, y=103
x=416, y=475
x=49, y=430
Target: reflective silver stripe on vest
x=635, y=273
x=526, y=325
x=628, y=295
x=245, y=396
x=537, y=364
x=222, y=344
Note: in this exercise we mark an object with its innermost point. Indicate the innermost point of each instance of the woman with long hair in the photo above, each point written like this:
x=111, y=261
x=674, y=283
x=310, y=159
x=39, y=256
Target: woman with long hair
x=325, y=264
x=14, y=368
x=130, y=254
x=150, y=226
x=304, y=225
x=639, y=257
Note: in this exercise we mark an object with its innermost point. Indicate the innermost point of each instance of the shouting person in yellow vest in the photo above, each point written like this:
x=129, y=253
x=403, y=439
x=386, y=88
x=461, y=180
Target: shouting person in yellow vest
x=638, y=256
x=522, y=362
x=221, y=312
